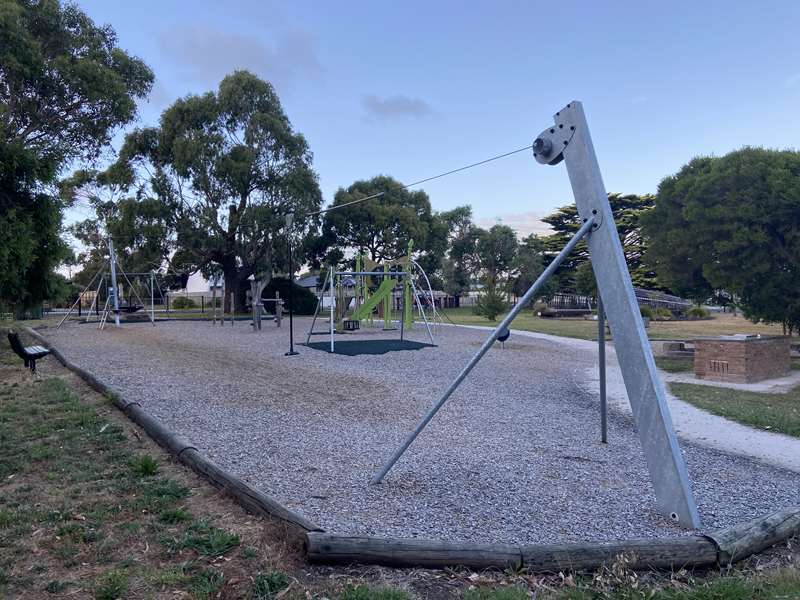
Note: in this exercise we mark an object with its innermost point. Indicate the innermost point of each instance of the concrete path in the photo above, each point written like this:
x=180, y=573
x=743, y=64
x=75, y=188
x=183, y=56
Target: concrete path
x=779, y=385
x=691, y=423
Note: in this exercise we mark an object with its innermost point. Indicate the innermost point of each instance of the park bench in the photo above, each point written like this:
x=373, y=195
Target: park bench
x=29, y=354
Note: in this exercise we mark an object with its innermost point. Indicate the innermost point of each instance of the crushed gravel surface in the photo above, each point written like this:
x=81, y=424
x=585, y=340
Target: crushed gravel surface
x=513, y=457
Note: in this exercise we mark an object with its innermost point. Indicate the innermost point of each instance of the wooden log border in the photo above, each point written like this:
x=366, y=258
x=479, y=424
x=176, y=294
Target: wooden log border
x=249, y=497
x=721, y=547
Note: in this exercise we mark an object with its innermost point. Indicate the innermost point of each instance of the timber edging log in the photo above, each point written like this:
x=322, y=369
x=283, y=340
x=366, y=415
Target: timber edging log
x=720, y=547
x=247, y=496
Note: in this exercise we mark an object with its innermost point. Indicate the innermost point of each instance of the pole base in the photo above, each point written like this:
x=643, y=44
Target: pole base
x=291, y=353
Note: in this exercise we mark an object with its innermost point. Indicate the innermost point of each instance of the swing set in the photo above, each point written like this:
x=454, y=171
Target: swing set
x=354, y=296
x=116, y=303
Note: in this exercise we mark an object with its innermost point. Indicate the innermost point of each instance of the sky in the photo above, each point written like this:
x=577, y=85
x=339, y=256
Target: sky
x=411, y=89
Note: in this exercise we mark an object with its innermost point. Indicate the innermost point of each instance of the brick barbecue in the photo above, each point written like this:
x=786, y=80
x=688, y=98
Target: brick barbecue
x=741, y=358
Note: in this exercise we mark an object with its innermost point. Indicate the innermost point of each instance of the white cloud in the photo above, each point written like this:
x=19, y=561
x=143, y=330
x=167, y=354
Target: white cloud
x=209, y=54
x=524, y=223
x=395, y=106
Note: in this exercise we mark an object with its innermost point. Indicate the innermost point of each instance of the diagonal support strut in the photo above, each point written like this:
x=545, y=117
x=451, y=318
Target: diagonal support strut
x=498, y=331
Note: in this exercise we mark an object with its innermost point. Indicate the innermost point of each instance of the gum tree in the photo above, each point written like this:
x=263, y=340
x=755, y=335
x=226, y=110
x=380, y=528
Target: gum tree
x=229, y=166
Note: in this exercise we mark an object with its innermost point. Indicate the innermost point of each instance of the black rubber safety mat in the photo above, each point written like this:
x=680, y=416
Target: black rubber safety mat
x=357, y=347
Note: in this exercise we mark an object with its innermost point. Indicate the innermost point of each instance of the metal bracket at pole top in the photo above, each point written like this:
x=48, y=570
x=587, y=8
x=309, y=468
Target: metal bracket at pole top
x=548, y=149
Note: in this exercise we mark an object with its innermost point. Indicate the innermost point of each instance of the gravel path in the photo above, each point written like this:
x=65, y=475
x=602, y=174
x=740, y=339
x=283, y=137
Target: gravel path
x=513, y=457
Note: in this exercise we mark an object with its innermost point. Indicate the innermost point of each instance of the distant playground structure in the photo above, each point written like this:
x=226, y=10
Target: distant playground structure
x=354, y=296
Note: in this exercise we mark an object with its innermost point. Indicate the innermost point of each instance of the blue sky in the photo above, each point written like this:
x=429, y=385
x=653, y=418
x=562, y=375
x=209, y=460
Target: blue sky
x=411, y=89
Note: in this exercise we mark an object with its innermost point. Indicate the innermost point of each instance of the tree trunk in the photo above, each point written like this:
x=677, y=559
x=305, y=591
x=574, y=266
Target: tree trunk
x=231, y=275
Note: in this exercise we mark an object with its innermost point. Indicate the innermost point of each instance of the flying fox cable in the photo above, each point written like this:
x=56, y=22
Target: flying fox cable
x=421, y=181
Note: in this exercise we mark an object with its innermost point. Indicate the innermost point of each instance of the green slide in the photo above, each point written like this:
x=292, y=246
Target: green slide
x=384, y=291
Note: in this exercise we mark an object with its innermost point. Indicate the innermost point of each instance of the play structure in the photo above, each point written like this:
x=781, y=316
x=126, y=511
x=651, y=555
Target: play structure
x=109, y=292
x=354, y=296
x=568, y=140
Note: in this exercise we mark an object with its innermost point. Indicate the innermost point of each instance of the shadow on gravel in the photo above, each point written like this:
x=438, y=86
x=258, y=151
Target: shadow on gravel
x=357, y=347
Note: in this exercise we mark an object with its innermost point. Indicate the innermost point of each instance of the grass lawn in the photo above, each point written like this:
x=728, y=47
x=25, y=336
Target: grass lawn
x=775, y=412
x=92, y=508
x=674, y=365
x=720, y=324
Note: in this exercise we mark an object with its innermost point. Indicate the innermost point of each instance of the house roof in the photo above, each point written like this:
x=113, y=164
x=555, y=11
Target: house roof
x=309, y=281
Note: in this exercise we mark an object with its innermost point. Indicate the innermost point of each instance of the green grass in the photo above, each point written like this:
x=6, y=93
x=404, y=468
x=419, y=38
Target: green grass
x=72, y=475
x=674, y=365
x=145, y=465
x=267, y=585
x=364, y=592
x=719, y=324
x=203, y=538
x=775, y=412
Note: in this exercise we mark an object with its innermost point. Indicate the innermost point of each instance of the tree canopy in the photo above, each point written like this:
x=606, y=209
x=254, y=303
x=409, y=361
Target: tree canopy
x=732, y=223
x=229, y=166
x=380, y=228
x=65, y=87
x=628, y=210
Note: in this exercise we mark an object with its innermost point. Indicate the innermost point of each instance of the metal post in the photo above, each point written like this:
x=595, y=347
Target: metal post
x=289, y=225
x=233, y=309
x=202, y=305
x=320, y=296
x=279, y=313
x=333, y=302
x=113, y=259
x=601, y=344
x=501, y=328
x=213, y=303
x=402, y=316
x=152, y=297
x=387, y=305
x=569, y=140
x=69, y=312
x=422, y=312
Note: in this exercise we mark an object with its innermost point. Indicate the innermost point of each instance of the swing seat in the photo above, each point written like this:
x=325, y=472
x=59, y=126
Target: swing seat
x=350, y=325
x=130, y=309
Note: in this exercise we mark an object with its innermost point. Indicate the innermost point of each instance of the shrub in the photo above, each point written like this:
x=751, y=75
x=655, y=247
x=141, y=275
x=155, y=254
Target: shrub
x=663, y=313
x=305, y=302
x=646, y=311
x=698, y=312
x=490, y=304
x=182, y=302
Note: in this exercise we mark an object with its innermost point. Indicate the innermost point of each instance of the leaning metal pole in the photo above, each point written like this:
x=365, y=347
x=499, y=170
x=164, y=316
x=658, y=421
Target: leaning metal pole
x=502, y=327
x=569, y=140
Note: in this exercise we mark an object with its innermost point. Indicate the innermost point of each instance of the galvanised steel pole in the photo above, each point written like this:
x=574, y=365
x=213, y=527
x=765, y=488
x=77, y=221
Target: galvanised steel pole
x=501, y=328
x=601, y=346
x=113, y=258
x=569, y=140
x=289, y=224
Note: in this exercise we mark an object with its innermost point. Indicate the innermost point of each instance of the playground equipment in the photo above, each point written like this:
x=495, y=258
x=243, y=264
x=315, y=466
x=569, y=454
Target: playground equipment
x=353, y=296
x=568, y=140
x=257, y=303
x=116, y=302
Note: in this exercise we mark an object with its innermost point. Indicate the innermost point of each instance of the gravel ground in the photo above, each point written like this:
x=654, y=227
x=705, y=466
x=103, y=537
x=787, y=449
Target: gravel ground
x=512, y=457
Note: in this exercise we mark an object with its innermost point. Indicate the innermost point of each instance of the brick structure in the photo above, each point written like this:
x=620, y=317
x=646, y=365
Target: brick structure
x=741, y=358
